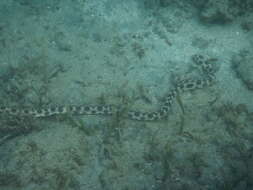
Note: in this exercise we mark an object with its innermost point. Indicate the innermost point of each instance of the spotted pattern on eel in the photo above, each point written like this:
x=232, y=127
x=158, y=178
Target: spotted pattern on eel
x=200, y=61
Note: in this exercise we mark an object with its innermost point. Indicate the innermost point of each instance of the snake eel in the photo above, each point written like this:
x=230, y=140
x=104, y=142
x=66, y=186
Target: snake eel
x=205, y=65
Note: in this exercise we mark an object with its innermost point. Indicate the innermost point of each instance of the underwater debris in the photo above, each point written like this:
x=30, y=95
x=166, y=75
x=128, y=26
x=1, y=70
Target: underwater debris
x=138, y=50
x=225, y=11
x=235, y=117
x=247, y=25
x=26, y=84
x=242, y=64
x=9, y=179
